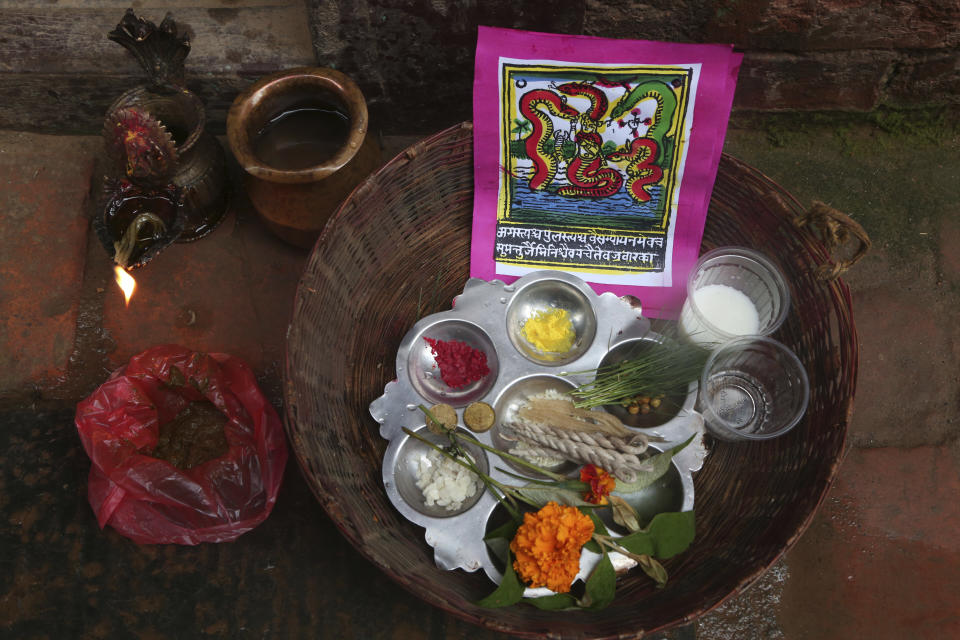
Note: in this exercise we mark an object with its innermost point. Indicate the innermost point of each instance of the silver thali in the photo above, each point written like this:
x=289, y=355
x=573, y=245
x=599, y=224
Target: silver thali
x=489, y=315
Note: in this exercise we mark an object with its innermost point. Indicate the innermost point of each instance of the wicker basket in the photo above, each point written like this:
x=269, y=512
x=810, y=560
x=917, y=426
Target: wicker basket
x=401, y=240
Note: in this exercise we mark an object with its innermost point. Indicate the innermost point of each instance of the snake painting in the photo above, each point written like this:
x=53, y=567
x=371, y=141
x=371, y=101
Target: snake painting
x=534, y=106
x=662, y=119
x=590, y=119
x=588, y=172
x=641, y=170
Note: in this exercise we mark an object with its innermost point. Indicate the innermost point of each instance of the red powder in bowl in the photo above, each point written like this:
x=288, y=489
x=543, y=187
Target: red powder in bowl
x=460, y=364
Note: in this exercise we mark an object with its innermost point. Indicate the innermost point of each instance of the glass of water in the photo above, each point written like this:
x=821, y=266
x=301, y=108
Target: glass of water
x=752, y=388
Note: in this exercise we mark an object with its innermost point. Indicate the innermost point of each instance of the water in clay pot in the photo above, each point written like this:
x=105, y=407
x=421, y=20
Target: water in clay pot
x=302, y=138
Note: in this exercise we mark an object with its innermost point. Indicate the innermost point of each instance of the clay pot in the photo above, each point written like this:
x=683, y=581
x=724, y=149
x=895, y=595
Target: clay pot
x=295, y=199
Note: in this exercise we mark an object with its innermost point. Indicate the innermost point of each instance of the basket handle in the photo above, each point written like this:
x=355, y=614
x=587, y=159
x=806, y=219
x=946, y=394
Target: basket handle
x=835, y=229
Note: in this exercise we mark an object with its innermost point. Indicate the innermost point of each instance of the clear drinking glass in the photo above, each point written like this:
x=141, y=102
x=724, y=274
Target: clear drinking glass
x=733, y=291
x=752, y=388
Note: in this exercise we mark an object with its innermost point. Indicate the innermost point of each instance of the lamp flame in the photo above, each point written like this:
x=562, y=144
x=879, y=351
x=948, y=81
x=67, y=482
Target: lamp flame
x=125, y=281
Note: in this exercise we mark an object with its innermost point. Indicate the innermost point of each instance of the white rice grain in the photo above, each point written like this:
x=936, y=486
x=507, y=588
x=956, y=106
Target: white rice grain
x=445, y=483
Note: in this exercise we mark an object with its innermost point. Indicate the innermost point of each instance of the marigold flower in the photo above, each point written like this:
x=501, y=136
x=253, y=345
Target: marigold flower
x=601, y=484
x=546, y=548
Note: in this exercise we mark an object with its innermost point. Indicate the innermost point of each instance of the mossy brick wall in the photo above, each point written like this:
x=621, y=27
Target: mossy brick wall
x=59, y=72
x=414, y=58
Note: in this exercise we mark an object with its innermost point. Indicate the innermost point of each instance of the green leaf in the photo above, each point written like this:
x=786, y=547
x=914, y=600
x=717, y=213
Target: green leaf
x=542, y=494
x=601, y=585
x=573, y=485
x=667, y=535
x=660, y=463
x=508, y=592
x=498, y=540
x=654, y=569
x=598, y=528
x=638, y=543
x=556, y=602
x=623, y=514
x=507, y=530
x=500, y=548
x=593, y=545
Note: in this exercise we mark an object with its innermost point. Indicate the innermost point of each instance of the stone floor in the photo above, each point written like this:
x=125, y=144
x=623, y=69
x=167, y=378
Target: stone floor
x=881, y=559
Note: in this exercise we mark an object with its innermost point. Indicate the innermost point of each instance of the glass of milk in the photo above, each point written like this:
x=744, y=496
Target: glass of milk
x=752, y=388
x=733, y=291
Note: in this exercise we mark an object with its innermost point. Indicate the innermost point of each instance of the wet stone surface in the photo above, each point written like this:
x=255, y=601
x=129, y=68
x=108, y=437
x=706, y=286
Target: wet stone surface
x=753, y=612
x=62, y=576
x=293, y=576
x=43, y=235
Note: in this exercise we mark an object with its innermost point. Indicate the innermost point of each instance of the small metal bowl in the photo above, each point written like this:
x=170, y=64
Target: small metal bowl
x=425, y=374
x=405, y=472
x=508, y=403
x=544, y=295
x=670, y=405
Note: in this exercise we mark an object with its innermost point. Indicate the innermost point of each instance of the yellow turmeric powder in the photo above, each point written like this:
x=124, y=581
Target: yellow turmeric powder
x=550, y=331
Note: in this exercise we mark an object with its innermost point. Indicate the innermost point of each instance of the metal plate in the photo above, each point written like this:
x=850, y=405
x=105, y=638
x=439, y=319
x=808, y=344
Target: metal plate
x=489, y=316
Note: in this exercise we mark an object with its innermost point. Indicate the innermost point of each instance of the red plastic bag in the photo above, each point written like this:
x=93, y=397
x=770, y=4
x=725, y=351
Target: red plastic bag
x=151, y=501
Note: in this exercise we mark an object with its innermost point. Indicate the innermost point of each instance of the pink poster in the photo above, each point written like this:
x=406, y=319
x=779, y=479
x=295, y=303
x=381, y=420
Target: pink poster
x=596, y=157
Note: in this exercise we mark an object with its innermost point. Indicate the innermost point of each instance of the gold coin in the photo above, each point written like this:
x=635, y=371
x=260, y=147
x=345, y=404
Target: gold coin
x=445, y=415
x=478, y=416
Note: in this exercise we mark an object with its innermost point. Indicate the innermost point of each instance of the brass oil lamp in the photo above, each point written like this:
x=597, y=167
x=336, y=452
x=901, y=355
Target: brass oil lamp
x=167, y=178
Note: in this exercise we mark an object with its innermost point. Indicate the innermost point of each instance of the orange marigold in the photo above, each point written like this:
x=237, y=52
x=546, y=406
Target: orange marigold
x=546, y=549
x=601, y=484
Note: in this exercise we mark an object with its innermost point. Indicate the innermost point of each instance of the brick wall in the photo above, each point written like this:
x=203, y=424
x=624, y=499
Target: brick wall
x=413, y=58
x=59, y=72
